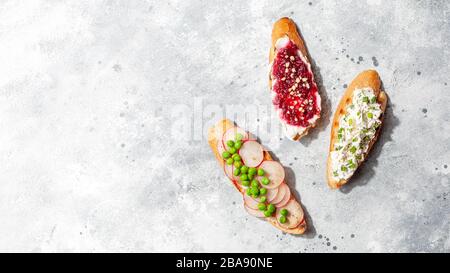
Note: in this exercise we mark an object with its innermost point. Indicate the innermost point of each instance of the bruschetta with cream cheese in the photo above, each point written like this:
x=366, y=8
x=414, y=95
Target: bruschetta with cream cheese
x=294, y=92
x=355, y=128
x=259, y=178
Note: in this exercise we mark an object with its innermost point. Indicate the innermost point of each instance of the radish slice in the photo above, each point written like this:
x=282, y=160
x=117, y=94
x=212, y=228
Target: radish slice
x=275, y=173
x=220, y=148
x=286, y=198
x=252, y=153
x=231, y=133
x=228, y=169
x=270, y=196
x=254, y=212
x=281, y=193
x=250, y=202
x=295, y=214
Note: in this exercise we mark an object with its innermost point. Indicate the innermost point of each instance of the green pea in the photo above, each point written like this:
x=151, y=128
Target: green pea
x=226, y=155
x=262, y=206
x=232, y=151
x=261, y=172
x=239, y=137
x=236, y=157
x=252, y=171
x=244, y=169
x=230, y=143
x=283, y=219
x=265, y=181
x=263, y=199
x=263, y=191
x=237, y=164
x=255, y=183
x=255, y=196
x=230, y=161
x=251, y=176
x=244, y=177
x=246, y=183
x=236, y=172
x=267, y=213
x=271, y=208
x=249, y=192
x=255, y=191
x=284, y=212
x=238, y=144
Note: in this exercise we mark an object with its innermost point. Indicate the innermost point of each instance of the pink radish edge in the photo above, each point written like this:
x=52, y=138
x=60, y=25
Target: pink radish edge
x=286, y=198
x=250, y=202
x=254, y=212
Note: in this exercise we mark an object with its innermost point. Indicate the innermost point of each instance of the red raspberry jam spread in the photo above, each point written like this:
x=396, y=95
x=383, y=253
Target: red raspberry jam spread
x=296, y=93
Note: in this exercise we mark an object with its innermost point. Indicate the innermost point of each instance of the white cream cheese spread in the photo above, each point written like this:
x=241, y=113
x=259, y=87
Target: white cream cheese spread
x=356, y=130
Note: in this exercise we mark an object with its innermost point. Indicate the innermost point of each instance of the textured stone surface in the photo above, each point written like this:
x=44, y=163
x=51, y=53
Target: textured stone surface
x=87, y=99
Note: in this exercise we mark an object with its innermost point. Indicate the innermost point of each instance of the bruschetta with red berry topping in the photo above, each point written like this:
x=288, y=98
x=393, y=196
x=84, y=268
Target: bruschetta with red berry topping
x=294, y=92
x=259, y=178
x=356, y=126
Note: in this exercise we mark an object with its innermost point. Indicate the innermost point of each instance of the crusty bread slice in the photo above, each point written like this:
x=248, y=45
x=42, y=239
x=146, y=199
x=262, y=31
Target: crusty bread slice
x=286, y=27
x=215, y=134
x=369, y=78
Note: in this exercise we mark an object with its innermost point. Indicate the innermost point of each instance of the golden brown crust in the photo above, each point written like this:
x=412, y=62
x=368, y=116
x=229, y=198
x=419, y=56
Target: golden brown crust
x=287, y=27
x=214, y=135
x=369, y=78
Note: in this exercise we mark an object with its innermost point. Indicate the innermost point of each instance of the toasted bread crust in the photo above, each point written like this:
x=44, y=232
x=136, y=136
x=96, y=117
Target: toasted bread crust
x=281, y=28
x=369, y=78
x=214, y=135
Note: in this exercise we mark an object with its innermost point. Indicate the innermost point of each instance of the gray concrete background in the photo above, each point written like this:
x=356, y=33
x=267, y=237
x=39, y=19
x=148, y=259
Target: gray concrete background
x=86, y=93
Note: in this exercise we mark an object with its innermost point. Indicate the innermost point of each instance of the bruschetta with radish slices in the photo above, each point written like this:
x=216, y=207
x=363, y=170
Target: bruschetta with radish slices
x=294, y=92
x=259, y=178
x=355, y=128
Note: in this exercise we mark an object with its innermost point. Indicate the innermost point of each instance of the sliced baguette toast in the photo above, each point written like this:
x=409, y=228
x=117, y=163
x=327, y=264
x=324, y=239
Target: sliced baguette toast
x=286, y=27
x=215, y=134
x=369, y=78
